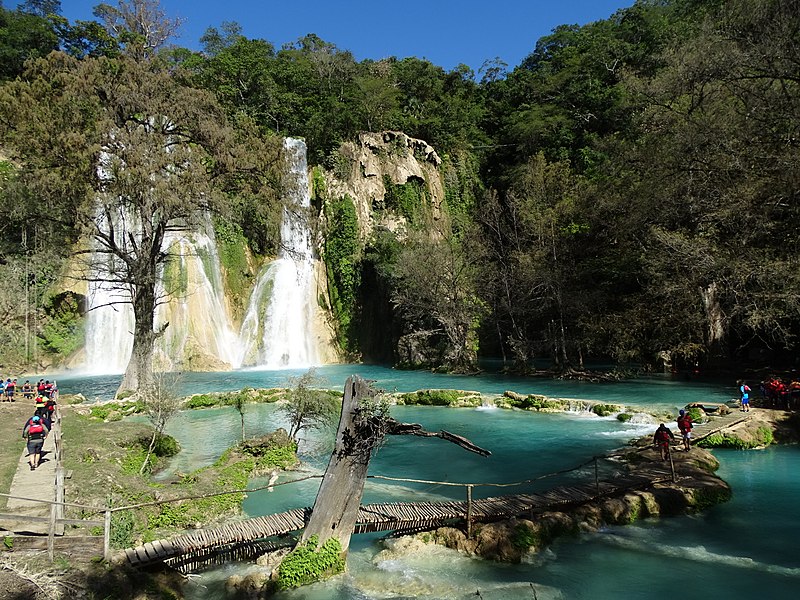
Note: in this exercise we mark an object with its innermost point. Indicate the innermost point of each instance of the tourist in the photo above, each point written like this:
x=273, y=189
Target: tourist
x=35, y=431
x=27, y=390
x=42, y=411
x=662, y=438
x=744, y=389
x=11, y=388
x=685, y=426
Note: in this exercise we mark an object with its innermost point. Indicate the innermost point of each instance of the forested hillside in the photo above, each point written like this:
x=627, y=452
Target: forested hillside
x=627, y=194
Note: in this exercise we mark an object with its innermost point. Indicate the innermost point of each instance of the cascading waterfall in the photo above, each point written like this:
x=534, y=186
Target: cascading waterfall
x=199, y=332
x=277, y=331
x=109, y=325
x=278, y=328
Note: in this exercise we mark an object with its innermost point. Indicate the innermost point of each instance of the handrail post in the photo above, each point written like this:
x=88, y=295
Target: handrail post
x=107, y=535
x=469, y=511
x=51, y=532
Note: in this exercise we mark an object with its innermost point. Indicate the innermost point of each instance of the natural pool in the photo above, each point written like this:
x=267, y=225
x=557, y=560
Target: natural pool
x=743, y=549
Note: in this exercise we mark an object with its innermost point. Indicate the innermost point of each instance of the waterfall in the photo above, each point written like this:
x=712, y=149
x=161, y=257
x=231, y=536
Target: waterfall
x=109, y=326
x=199, y=332
x=278, y=327
x=277, y=331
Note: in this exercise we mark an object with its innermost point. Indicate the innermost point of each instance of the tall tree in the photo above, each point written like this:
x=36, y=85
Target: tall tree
x=130, y=153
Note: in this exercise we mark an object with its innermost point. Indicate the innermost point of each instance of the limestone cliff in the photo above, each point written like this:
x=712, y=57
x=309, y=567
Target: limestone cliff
x=366, y=164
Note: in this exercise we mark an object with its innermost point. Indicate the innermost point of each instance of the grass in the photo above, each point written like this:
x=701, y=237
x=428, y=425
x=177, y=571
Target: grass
x=105, y=457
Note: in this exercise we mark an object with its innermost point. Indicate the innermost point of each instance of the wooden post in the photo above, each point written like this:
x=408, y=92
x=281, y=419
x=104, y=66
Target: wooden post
x=51, y=532
x=107, y=536
x=469, y=511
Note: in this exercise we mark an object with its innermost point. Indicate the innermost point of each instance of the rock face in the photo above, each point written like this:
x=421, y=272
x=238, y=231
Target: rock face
x=374, y=158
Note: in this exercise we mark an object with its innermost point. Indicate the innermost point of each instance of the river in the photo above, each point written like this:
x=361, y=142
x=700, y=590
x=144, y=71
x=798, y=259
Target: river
x=743, y=549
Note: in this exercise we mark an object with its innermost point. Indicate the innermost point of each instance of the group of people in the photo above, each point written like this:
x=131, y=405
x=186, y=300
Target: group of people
x=663, y=436
x=9, y=389
x=37, y=427
x=778, y=392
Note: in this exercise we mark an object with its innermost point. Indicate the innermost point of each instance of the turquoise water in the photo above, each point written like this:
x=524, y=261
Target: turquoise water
x=743, y=549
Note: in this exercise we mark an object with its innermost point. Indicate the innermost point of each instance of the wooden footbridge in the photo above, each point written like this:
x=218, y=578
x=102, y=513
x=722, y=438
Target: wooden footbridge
x=251, y=537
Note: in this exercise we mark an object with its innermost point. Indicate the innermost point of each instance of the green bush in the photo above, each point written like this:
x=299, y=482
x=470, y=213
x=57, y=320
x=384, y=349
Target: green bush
x=431, y=398
x=166, y=446
x=534, y=402
x=604, y=410
x=307, y=564
x=624, y=417
x=122, y=528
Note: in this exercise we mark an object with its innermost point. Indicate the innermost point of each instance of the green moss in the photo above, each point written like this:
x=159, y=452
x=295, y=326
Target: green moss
x=707, y=497
x=524, y=537
x=763, y=437
x=407, y=199
x=431, y=398
x=308, y=564
x=102, y=411
x=175, y=277
x=624, y=417
x=237, y=275
x=63, y=331
x=342, y=262
x=534, y=402
x=604, y=410
x=247, y=395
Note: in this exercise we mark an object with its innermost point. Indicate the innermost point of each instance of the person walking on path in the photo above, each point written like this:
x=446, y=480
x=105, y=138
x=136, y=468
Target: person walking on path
x=662, y=438
x=35, y=431
x=685, y=426
x=744, y=389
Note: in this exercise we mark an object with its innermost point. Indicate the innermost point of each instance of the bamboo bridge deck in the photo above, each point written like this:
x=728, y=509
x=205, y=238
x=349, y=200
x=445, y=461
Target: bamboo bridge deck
x=250, y=537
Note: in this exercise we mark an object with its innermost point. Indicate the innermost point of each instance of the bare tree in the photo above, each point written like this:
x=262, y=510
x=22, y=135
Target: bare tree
x=307, y=407
x=139, y=26
x=161, y=403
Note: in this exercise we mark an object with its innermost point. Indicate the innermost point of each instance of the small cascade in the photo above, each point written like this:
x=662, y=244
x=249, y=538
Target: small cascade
x=277, y=331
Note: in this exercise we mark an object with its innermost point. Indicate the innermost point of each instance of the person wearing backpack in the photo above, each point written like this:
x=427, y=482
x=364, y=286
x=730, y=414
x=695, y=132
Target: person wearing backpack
x=35, y=431
x=685, y=426
x=744, y=389
x=662, y=438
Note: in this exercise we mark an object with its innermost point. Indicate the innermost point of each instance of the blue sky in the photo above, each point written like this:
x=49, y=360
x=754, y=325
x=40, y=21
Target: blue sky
x=445, y=32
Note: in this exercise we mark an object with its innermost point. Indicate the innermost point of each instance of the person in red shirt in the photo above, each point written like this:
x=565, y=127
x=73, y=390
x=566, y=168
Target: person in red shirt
x=685, y=425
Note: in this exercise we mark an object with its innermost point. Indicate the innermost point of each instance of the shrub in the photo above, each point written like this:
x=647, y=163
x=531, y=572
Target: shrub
x=431, y=397
x=307, y=564
x=604, y=410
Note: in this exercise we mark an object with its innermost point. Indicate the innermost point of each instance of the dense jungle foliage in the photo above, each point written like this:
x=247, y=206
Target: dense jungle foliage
x=628, y=193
